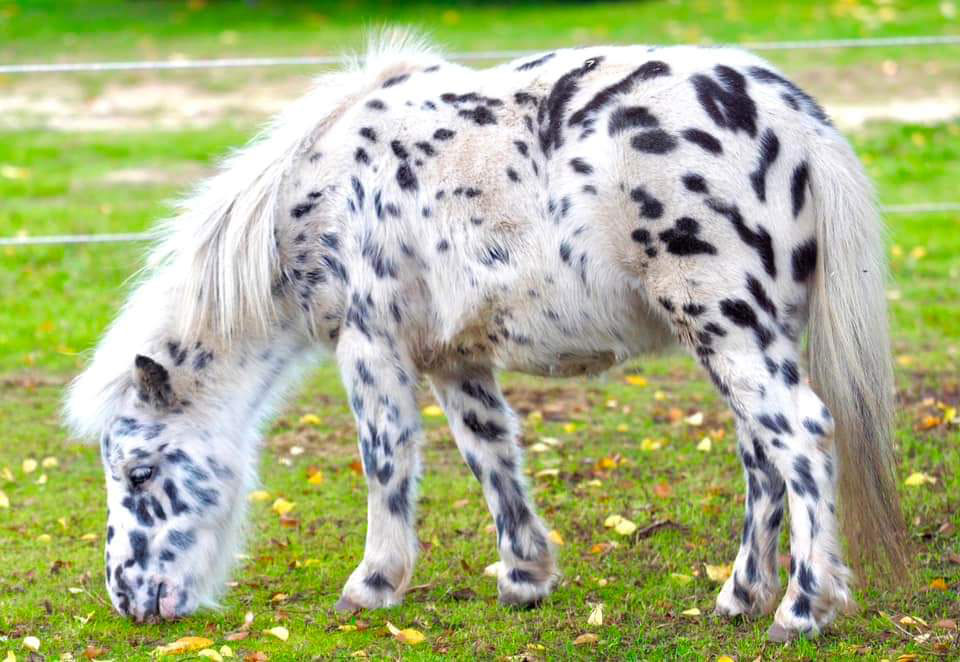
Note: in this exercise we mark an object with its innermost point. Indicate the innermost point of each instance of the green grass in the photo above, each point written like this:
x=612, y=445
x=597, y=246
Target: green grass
x=55, y=301
x=71, y=30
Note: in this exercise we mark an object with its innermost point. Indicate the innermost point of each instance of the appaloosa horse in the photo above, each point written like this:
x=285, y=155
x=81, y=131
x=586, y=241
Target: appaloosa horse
x=557, y=216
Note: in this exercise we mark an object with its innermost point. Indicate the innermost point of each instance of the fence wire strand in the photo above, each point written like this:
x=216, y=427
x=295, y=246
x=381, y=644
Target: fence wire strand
x=326, y=60
x=106, y=238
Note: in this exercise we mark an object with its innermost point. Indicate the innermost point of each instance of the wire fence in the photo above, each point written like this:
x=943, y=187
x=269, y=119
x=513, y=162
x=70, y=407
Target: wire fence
x=175, y=64
x=116, y=238
x=326, y=60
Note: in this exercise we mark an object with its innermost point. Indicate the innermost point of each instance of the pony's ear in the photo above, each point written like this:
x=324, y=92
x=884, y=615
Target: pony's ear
x=153, y=382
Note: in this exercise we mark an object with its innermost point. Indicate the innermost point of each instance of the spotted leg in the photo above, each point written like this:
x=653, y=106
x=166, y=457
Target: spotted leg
x=382, y=394
x=486, y=431
x=754, y=585
x=790, y=431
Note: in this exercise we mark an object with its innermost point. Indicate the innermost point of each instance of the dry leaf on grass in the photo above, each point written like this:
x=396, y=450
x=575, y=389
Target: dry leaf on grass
x=4, y=500
x=259, y=495
x=917, y=478
x=407, y=635
x=693, y=611
x=279, y=632
x=586, y=639
x=596, y=615
x=210, y=654
x=183, y=645
x=718, y=573
x=939, y=584
x=555, y=537
x=432, y=411
x=281, y=506
x=705, y=445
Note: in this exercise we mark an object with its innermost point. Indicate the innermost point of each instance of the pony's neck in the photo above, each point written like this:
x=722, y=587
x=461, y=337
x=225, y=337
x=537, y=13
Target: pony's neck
x=236, y=386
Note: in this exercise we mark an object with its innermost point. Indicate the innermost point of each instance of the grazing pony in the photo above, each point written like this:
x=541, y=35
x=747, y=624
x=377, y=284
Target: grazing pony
x=556, y=216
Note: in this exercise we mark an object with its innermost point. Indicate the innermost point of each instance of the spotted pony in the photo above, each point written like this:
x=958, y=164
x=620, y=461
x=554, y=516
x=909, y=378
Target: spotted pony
x=556, y=216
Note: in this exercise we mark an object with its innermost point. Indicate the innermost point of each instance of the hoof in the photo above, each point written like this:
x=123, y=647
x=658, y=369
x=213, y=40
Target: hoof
x=345, y=605
x=779, y=634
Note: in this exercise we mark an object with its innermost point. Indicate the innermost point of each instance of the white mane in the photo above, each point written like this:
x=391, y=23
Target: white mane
x=210, y=272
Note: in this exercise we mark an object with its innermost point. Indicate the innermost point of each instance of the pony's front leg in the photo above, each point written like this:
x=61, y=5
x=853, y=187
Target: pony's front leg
x=486, y=432
x=381, y=385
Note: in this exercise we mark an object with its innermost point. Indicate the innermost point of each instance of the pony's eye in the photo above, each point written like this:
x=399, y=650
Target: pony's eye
x=140, y=475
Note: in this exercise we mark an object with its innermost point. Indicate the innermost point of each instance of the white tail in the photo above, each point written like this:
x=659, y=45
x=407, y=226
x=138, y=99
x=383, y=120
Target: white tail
x=849, y=353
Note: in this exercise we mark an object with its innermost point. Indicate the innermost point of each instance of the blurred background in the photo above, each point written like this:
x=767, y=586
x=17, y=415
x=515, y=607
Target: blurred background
x=93, y=151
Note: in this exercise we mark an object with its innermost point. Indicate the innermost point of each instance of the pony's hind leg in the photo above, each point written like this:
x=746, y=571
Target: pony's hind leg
x=784, y=429
x=381, y=385
x=754, y=585
x=486, y=431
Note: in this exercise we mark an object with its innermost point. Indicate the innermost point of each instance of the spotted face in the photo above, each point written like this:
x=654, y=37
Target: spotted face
x=171, y=503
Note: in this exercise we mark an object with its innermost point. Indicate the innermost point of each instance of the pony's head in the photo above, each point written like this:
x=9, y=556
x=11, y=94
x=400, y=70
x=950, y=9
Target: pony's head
x=174, y=494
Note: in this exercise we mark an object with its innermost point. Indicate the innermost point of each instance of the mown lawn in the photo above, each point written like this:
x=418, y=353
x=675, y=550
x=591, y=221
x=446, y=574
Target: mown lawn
x=623, y=446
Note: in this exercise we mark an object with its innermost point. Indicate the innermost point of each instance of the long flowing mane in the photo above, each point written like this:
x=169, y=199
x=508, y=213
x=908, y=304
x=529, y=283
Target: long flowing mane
x=212, y=265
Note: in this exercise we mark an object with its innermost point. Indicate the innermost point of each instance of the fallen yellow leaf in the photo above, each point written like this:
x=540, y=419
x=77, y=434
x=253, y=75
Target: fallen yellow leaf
x=88, y=537
x=407, y=635
x=310, y=419
x=29, y=465
x=493, y=570
x=210, y=654
x=42, y=480
x=50, y=462
x=612, y=521
x=14, y=172
x=183, y=645
x=625, y=527
x=433, y=411
x=651, y=444
x=4, y=500
x=636, y=380
x=596, y=616
x=316, y=478
x=226, y=651
x=693, y=611
x=939, y=584
x=555, y=537
x=586, y=639
x=705, y=445
x=6, y=474
x=607, y=463
x=259, y=495
x=539, y=447
x=569, y=428
x=279, y=632
x=917, y=478
x=281, y=506
x=718, y=573
x=347, y=627
x=683, y=579
x=725, y=658
x=44, y=538
x=31, y=644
